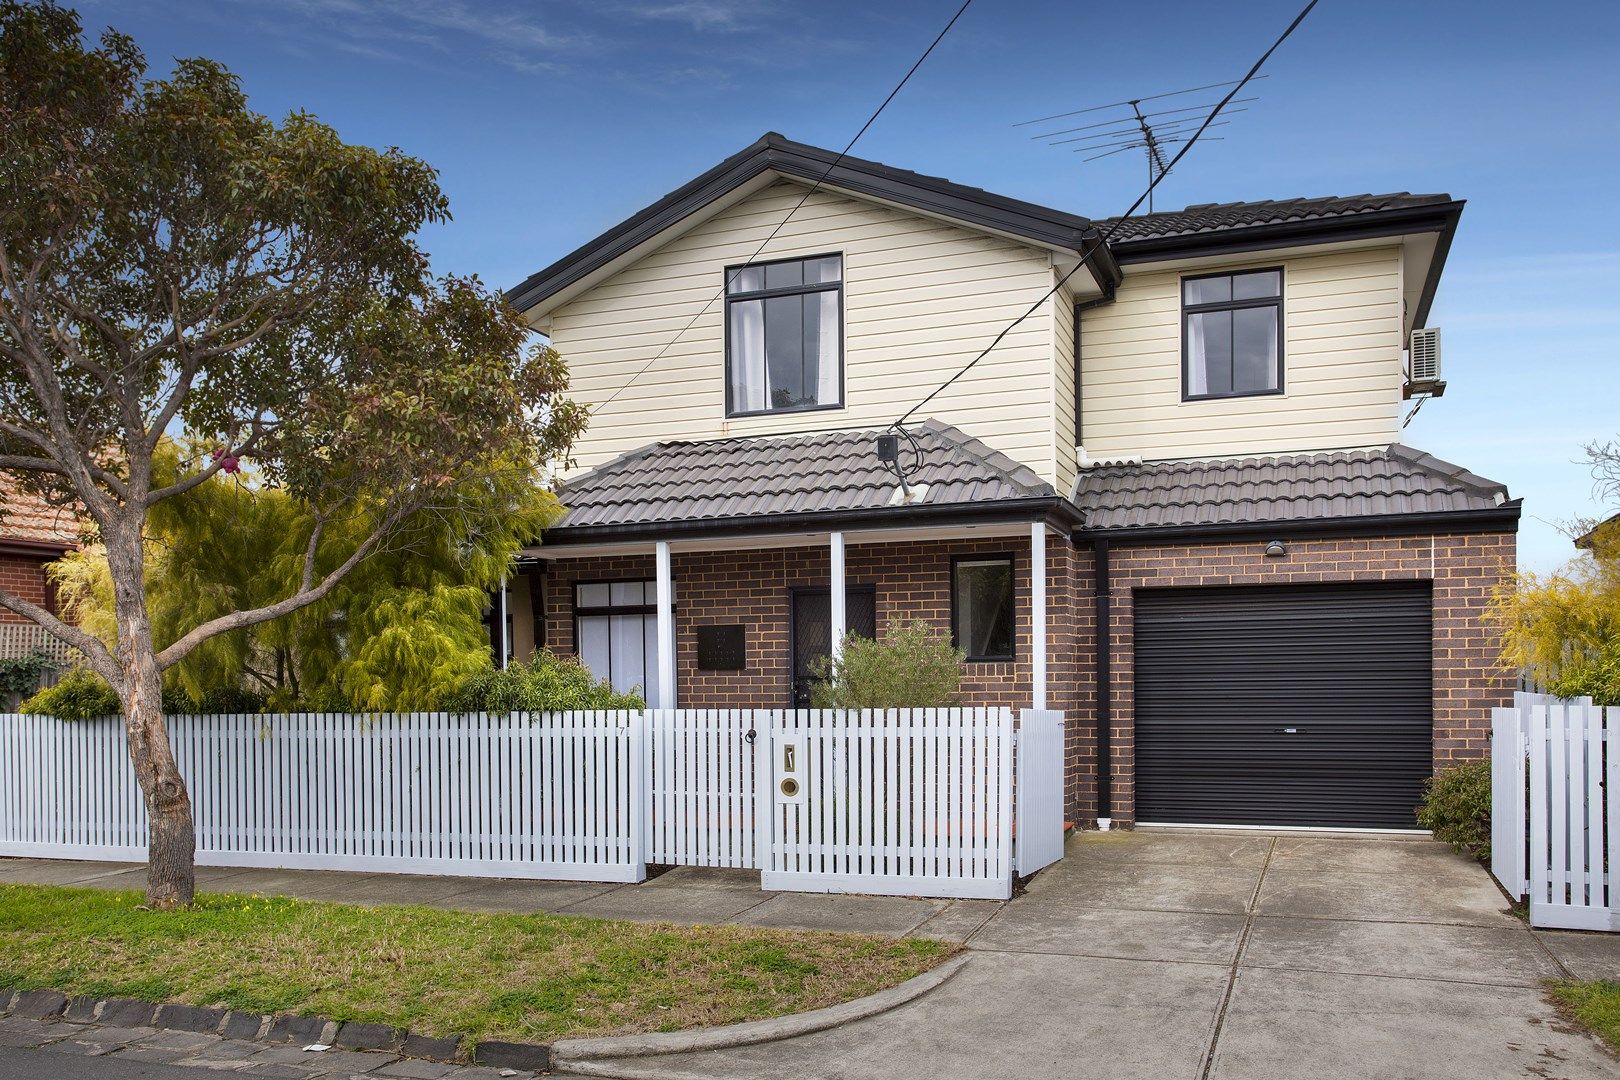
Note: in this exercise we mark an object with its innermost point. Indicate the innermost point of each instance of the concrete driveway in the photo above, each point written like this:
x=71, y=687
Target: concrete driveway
x=1222, y=955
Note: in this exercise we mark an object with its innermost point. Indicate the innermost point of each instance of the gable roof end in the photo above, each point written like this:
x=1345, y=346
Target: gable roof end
x=932, y=195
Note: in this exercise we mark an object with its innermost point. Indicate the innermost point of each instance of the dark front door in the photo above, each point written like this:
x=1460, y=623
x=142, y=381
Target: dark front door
x=1283, y=705
x=812, y=631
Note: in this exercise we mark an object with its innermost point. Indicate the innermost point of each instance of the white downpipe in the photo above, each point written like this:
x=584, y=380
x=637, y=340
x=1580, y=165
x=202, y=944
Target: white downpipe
x=838, y=617
x=1037, y=613
x=666, y=631
x=506, y=644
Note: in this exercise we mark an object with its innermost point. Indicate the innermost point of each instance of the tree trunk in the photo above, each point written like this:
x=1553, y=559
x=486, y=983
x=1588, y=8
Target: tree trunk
x=171, y=878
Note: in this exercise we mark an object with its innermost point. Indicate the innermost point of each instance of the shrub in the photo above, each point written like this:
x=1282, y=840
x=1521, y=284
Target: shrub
x=21, y=674
x=79, y=695
x=1457, y=808
x=912, y=667
x=548, y=683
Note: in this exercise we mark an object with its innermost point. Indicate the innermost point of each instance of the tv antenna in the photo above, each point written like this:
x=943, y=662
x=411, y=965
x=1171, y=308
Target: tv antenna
x=1130, y=128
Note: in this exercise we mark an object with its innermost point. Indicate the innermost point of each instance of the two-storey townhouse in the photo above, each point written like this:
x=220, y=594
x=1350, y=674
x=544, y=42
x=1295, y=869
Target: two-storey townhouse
x=1252, y=602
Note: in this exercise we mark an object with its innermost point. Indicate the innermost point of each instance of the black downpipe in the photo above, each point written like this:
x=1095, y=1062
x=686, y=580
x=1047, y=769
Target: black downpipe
x=1105, y=692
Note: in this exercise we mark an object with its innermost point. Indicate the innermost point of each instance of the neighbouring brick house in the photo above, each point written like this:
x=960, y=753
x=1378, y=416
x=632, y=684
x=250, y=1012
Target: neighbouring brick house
x=33, y=533
x=1194, y=428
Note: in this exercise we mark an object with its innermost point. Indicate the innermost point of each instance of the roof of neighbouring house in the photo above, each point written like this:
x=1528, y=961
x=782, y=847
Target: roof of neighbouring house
x=25, y=518
x=1610, y=524
x=1356, y=484
x=794, y=480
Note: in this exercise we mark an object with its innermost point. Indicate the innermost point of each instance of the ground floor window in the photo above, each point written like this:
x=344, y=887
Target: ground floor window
x=616, y=628
x=983, y=614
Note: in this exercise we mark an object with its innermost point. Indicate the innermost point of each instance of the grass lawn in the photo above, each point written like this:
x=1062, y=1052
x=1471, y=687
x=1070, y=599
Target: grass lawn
x=1593, y=1005
x=522, y=977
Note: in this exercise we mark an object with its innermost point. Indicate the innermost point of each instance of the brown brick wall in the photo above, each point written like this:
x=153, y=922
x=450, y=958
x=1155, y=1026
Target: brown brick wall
x=23, y=576
x=1464, y=569
x=912, y=580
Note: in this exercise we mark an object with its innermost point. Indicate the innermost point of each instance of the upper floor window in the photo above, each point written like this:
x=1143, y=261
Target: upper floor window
x=784, y=335
x=1231, y=334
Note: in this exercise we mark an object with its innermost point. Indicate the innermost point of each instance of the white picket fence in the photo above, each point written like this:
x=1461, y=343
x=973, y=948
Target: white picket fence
x=906, y=802
x=1554, y=825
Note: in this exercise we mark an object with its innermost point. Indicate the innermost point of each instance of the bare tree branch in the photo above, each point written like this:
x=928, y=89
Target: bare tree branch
x=95, y=652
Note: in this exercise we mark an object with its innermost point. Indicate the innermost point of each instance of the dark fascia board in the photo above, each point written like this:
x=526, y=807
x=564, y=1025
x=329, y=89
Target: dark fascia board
x=1056, y=511
x=44, y=549
x=1438, y=217
x=1042, y=225
x=1504, y=518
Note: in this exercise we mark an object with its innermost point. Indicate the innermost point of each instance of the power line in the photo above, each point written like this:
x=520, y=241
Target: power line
x=795, y=209
x=1085, y=255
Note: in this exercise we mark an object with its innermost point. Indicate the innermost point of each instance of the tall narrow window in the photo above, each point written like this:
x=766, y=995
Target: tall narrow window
x=784, y=335
x=616, y=631
x=983, y=611
x=1232, y=334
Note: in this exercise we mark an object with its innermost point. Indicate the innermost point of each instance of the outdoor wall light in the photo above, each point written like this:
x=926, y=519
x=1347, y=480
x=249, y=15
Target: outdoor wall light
x=1276, y=549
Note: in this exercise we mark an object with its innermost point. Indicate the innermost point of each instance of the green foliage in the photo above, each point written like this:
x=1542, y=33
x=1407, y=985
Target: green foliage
x=21, y=674
x=1457, y=808
x=398, y=632
x=549, y=683
x=77, y=695
x=1564, y=628
x=910, y=667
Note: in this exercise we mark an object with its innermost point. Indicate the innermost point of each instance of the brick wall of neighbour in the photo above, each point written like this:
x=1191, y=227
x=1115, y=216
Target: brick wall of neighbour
x=1464, y=570
x=23, y=576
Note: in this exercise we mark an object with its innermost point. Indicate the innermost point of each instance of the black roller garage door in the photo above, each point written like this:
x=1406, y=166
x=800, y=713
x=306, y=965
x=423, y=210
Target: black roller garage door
x=1283, y=705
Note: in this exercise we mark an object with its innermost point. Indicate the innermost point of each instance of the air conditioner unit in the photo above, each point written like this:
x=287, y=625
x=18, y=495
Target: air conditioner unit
x=1425, y=356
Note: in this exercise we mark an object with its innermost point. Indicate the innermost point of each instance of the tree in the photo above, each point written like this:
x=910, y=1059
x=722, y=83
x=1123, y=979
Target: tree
x=910, y=667
x=173, y=263
x=400, y=631
x=1564, y=628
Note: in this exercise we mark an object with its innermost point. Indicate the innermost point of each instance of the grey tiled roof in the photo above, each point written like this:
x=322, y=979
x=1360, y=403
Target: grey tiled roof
x=1306, y=487
x=757, y=477
x=1219, y=217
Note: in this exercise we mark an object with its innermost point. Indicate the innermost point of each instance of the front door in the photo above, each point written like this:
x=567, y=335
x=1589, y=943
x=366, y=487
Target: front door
x=812, y=631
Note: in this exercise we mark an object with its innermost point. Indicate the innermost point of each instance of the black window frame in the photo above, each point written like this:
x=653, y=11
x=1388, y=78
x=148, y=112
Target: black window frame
x=956, y=616
x=609, y=609
x=1234, y=305
x=793, y=290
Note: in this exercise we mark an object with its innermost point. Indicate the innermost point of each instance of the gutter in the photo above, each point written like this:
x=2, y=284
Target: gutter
x=1054, y=510
x=1504, y=518
x=40, y=548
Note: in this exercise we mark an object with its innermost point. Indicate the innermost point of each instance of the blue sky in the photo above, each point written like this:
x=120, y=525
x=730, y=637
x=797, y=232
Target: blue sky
x=551, y=121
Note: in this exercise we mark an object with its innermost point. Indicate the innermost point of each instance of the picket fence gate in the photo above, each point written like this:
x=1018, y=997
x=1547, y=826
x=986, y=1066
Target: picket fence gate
x=909, y=802
x=1554, y=824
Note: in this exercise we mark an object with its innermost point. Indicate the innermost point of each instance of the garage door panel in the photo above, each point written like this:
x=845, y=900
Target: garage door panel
x=1295, y=705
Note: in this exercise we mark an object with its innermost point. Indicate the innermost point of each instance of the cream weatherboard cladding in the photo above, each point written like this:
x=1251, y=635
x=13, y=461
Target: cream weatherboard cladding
x=1341, y=365
x=921, y=298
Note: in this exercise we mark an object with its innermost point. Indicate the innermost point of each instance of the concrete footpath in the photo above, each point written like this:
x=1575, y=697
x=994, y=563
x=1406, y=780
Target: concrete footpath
x=1229, y=956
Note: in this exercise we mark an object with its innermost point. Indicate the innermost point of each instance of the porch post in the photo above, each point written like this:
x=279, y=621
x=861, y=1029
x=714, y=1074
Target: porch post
x=1037, y=613
x=666, y=631
x=836, y=597
x=500, y=613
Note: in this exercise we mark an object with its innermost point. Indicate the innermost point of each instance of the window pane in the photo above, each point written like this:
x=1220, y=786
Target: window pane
x=984, y=607
x=629, y=665
x=784, y=275
x=1254, y=349
x=818, y=271
x=1254, y=286
x=747, y=279
x=591, y=595
x=1209, y=290
x=784, y=351
x=626, y=594
x=595, y=650
x=649, y=654
x=747, y=359
x=1209, y=353
x=821, y=374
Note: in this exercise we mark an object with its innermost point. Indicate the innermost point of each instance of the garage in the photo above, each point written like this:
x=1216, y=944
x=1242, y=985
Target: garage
x=1303, y=705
